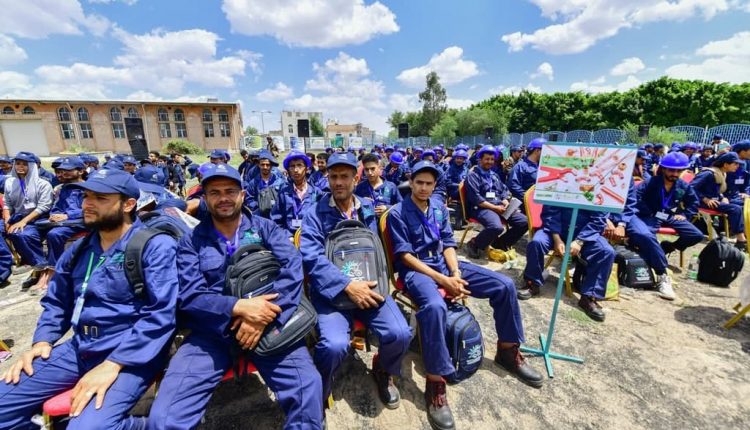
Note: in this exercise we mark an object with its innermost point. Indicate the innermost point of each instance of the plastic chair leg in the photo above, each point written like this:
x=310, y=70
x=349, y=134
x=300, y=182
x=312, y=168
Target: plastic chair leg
x=463, y=236
x=732, y=321
x=3, y=346
x=726, y=226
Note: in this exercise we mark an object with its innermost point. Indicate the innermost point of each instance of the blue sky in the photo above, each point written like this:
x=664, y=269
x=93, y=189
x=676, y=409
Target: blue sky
x=358, y=60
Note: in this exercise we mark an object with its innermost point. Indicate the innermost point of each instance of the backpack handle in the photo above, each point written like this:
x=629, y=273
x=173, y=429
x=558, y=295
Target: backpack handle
x=350, y=223
x=245, y=251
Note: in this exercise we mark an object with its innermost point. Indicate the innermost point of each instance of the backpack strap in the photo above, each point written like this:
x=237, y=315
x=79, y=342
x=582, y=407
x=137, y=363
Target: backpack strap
x=134, y=258
x=79, y=246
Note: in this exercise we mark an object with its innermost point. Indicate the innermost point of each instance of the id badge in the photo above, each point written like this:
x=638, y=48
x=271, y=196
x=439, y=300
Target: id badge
x=739, y=181
x=29, y=205
x=661, y=215
x=296, y=223
x=77, y=311
x=490, y=195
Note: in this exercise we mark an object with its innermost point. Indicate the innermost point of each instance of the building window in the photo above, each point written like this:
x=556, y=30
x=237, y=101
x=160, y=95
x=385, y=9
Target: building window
x=208, y=129
x=207, y=115
x=118, y=130
x=181, y=129
x=291, y=129
x=28, y=110
x=163, y=115
x=115, y=115
x=165, y=130
x=67, y=130
x=289, y=114
x=223, y=116
x=224, y=129
x=63, y=114
x=83, y=114
x=7, y=110
x=132, y=113
x=179, y=115
x=86, y=132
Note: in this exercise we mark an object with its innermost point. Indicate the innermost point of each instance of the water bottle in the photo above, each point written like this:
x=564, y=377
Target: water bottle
x=692, y=271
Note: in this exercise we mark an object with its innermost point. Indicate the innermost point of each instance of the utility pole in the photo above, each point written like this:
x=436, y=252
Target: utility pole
x=262, y=124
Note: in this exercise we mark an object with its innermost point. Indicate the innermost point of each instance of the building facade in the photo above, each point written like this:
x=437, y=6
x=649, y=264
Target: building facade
x=51, y=127
x=290, y=124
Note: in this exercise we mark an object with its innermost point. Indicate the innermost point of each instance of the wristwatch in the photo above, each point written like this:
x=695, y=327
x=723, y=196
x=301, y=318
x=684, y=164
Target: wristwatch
x=579, y=242
x=456, y=272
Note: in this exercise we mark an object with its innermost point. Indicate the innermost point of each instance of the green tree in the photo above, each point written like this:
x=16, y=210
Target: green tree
x=316, y=127
x=433, y=100
x=250, y=130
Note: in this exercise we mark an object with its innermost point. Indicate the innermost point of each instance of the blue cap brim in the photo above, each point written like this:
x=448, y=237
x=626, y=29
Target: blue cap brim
x=150, y=188
x=96, y=187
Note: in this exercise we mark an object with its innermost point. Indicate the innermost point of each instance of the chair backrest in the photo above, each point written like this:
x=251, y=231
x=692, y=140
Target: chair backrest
x=533, y=211
x=462, y=197
x=746, y=217
x=385, y=237
x=687, y=176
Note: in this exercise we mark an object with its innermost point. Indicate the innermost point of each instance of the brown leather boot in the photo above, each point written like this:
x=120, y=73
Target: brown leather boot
x=514, y=362
x=438, y=412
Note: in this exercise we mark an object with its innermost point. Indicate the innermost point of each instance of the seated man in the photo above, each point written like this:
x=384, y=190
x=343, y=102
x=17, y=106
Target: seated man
x=738, y=182
x=523, y=175
x=639, y=167
x=664, y=200
x=588, y=243
x=266, y=178
x=120, y=336
x=396, y=172
x=487, y=200
x=296, y=195
x=380, y=314
x=203, y=359
x=705, y=159
x=381, y=193
x=426, y=260
x=711, y=185
x=458, y=168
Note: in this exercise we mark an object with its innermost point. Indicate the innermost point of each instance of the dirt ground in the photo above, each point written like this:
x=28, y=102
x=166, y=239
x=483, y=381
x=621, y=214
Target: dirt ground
x=652, y=364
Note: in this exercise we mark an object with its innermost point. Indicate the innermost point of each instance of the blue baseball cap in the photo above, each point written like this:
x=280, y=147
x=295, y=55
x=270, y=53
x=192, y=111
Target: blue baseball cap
x=218, y=153
x=429, y=152
x=296, y=155
x=389, y=148
x=689, y=145
x=129, y=159
x=461, y=153
x=55, y=164
x=461, y=146
x=742, y=145
x=417, y=148
x=214, y=171
x=425, y=166
x=70, y=163
x=192, y=169
x=516, y=147
x=717, y=136
x=25, y=156
x=265, y=154
x=106, y=181
x=113, y=164
x=343, y=159
x=5, y=159
x=648, y=145
x=727, y=157
x=642, y=153
x=150, y=179
x=658, y=146
x=397, y=158
x=485, y=149
x=329, y=150
x=537, y=143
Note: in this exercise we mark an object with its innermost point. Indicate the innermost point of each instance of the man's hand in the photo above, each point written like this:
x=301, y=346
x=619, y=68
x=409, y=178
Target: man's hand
x=575, y=248
x=619, y=232
x=725, y=200
x=559, y=247
x=13, y=373
x=360, y=292
x=17, y=227
x=248, y=334
x=379, y=210
x=609, y=230
x=58, y=217
x=500, y=209
x=94, y=383
x=679, y=218
x=257, y=310
x=711, y=204
x=454, y=286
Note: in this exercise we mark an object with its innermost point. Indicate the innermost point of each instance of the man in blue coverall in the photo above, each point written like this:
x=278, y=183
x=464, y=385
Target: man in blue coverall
x=588, y=243
x=120, y=339
x=426, y=260
x=217, y=321
x=458, y=168
x=266, y=178
x=380, y=314
x=488, y=198
x=738, y=183
x=381, y=193
x=396, y=171
x=523, y=175
x=664, y=200
x=297, y=195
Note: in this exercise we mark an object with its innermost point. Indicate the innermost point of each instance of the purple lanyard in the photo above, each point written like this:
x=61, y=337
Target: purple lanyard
x=373, y=194
x=232, y=245
x=426, y=221
x=665, y=201
x=351, y=215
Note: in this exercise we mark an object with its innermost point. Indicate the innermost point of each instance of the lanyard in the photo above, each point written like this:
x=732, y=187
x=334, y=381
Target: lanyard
x=232, y=245
x=487, y=177
x=296, y=208
x=79, y=301
x=665, y=201
x=352, y=214
x=22, y=184
x=426, y=221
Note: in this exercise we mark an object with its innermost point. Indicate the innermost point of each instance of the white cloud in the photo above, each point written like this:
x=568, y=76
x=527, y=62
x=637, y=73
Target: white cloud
x=126, y=2
x=725, y=61
x=585, y=22
x=10, y=52
x=628, y=66
x=544, y=70
x=253, y=60
x=404, y=102
x=459, y=103
x=599, y=85
x=141, y=95
x=42, y=18
x=322, y=24
x=278, y=92
x=13, y=82
x=514, y=89
x=449, y=65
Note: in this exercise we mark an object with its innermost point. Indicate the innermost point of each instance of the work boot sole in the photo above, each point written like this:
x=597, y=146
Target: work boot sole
x=437, y=426
x=530, y=383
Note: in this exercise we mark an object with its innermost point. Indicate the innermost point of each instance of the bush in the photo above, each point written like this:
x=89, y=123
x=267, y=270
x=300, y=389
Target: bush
x=76, y=148
x=183, y=147
x=655, y=135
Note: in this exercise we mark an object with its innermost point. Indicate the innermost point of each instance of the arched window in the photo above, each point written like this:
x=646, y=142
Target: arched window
x=179, y=115
x=207, y=115
x=223, y=116
x=132, y=113
x=7, y=110
x=291, y=129
x=115, y=114
x=163, y=115
x=63, y=114
x=28, y=110
x=83, y=114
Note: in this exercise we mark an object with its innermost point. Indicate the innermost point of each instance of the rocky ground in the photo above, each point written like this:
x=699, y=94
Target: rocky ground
x=652, y=364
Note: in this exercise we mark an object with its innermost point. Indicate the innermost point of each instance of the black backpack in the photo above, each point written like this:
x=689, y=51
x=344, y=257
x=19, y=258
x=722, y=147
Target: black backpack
x=251, y=273
x=267, y=199
x=720, y=262
x=632, y=270
x=358, y=252
x=464, y=339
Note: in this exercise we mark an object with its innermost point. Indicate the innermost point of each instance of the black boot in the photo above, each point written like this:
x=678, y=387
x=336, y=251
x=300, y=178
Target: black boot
x=471, y=249
x=529, y=290
x=31, y=280
x=514, y=362
x=438, y=412
x=387, y=390
x=667, y=247
x=592, y=308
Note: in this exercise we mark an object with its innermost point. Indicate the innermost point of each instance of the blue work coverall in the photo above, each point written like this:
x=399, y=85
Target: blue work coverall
x=385, y=195
x=289, y=210
x=69, y=202
x=522, y=177
x=455, y=174
x=255, y=186
x=705, y=186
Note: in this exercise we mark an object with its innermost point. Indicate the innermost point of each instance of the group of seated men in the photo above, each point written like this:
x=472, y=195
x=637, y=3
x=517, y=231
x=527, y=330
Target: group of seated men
x=121, y=336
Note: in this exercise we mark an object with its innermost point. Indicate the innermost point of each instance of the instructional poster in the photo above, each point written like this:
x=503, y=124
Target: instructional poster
x=587, y=176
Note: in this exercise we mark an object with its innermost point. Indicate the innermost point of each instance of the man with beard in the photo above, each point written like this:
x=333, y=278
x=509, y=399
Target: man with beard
x=200, y=363
x=297, y=195
x=380, y=314
x=426, y=260
x=267, y=178
x=66, y=208
x=120, y=337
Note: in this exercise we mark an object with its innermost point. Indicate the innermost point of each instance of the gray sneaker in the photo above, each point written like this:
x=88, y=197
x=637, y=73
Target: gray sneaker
x=664, y=286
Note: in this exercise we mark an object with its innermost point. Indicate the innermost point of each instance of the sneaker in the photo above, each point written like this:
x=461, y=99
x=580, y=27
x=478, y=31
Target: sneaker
x=529, y=290
x=514, y=362
x=387, y=390
x=471, y=249
x=664, y=286
x=438, y=412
